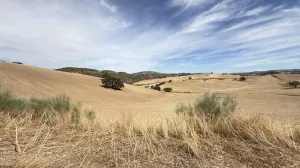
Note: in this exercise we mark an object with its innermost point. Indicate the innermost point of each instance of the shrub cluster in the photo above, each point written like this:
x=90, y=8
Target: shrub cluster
x=15, y=106
x=209, y=106
x=167, y=89
x=156, y=87
x=45, y=109
x=112, y=82
x=294, y=84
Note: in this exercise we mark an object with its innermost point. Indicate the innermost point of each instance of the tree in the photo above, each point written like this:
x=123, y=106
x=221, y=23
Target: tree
x=112, y=82
x=17, y=62
x=242, y=79
x=294, y=83
x=156, y=87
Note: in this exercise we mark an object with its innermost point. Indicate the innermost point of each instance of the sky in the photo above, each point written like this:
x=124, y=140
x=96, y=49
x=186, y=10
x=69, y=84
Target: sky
x=157, y=35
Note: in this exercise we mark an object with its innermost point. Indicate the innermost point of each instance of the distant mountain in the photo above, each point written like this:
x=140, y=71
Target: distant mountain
x=125, y=77
x=269, y=72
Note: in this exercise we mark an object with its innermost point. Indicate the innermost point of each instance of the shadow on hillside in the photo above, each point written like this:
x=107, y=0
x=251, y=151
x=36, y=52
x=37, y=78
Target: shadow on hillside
x=110, y=88
x=287, y=88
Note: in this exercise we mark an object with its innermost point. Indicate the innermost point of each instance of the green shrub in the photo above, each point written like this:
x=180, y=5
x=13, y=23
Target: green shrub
x=11, y=104
x=167, y=89
x=294, y=84
x=210, y=106
x=185, y=109
x=41, y=108
x=190, y=78
x=112, y=82
x=61, y=103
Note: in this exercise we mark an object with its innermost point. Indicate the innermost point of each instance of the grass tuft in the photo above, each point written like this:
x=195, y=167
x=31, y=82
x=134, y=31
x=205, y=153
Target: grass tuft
x=210, y=106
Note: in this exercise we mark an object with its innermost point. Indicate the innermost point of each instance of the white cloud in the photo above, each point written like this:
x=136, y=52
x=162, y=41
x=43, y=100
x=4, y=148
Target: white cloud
x=257, y=11
x=112, y=8
x=188, y=3
x=60, y=34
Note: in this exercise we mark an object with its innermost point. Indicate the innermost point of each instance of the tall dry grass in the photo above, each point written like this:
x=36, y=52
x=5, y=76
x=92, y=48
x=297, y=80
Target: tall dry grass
x=179, y=141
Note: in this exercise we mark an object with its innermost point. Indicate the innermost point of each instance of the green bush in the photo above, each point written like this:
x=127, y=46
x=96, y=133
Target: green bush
x=294, y=84
x=112, y=82
x=167, y=89
x=9, y=103
x=41, y=108
x=210, y=106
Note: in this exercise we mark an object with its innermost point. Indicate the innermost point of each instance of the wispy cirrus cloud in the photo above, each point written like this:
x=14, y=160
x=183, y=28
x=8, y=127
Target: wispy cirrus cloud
x=112, y=8
x=168, y=35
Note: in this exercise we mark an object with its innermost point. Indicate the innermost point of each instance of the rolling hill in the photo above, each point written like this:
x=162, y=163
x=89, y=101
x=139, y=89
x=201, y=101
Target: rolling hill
x=125, y=77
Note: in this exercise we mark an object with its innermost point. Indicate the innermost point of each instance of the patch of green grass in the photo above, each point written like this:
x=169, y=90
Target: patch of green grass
x=40, y=108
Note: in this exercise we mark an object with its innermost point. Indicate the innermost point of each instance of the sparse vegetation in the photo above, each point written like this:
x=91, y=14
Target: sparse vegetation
x=170, y=81
x=190, y=78
x=125, y=77
x=156, y=87
x=43, y=109
x=167, y=89
x=294, y=84
x=109, y=81
x=17, y=62
x=190, y=137
x=205, y=133
x=161, y=83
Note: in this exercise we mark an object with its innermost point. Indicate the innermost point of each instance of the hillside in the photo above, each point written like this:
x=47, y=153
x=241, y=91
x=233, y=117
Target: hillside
x=138, y=127
x=125, y=77
x=269, y=72
x=29, y=81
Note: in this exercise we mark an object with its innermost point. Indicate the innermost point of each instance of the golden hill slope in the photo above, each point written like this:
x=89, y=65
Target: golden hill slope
x=32, y=81
x=259, y=94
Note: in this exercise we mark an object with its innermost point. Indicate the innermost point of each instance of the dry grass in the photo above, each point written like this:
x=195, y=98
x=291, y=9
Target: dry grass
x=181, y=141
x=80, y=139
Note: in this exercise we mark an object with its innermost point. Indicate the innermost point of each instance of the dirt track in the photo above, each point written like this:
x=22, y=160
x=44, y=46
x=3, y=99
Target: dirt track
x=259, y=94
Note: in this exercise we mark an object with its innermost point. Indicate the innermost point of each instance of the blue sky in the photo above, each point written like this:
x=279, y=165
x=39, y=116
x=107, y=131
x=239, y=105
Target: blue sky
x=159, y=35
